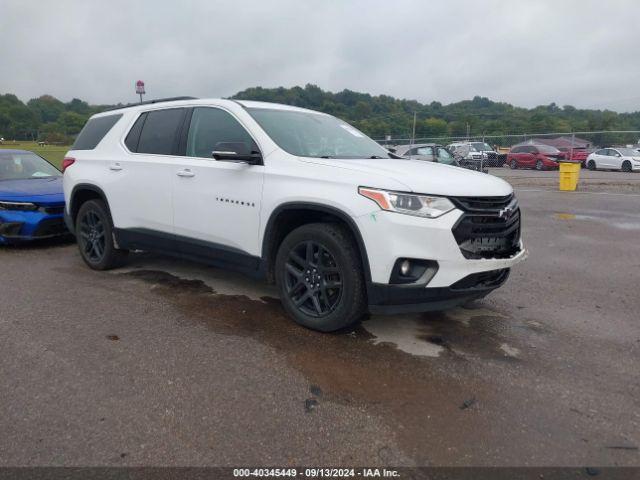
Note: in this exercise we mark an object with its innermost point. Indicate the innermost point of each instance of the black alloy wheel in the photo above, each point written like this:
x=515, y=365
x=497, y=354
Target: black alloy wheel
x=91, y=236
x=313, y=281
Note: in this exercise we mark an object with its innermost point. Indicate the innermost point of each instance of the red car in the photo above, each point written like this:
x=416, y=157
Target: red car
x=540, y=157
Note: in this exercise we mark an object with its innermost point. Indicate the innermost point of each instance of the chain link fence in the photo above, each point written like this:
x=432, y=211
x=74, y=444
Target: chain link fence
x=481, y=152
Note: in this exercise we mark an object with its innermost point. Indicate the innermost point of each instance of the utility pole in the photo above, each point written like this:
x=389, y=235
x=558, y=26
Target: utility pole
x=413, y=134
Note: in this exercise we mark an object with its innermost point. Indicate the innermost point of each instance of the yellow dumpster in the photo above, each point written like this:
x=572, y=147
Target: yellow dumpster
x=569, y=175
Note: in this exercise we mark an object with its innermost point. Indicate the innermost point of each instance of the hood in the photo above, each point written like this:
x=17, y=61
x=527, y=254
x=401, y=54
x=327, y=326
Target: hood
x=421, y=177
x=37, y=190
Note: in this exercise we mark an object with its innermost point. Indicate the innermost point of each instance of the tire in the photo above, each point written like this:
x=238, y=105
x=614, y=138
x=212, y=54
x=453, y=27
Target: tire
x=513, y=164
x=626, y=166
x=319, y=276
x=539, y=165
x=94, y=233
x=591, y=165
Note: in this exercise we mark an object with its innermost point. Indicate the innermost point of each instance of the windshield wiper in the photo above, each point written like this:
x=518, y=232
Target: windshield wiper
x=325, y=156
x=376, y=156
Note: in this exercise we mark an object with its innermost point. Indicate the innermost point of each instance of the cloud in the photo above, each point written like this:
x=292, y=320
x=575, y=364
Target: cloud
x=579, y=52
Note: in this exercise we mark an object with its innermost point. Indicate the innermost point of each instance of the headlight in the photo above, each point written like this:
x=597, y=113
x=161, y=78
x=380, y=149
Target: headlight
x=18, y=206
x=410, y=204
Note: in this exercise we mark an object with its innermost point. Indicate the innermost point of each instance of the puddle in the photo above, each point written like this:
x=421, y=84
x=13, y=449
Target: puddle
x=607, y=220
x=462, y=332
x=392, y=365
x=403, y=333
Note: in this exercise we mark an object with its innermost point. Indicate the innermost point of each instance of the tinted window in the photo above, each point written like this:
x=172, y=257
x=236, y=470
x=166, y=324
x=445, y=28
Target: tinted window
x=94, y=131
x=134, y=134
x=601, y=152
x=159, y=132
x=516, y=149
x=210, y=126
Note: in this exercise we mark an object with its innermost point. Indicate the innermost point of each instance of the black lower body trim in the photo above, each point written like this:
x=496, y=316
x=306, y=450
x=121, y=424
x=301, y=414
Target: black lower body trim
x=201, y=251
x=388, y=299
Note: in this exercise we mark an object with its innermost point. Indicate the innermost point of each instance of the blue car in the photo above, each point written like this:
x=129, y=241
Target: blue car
x=31, y=198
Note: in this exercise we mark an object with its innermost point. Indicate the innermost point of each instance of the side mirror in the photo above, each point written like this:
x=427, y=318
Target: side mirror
x=236, y=152
x=392, y=150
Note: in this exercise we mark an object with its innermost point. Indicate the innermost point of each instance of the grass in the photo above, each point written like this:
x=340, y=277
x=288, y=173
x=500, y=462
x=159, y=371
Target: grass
x=53, y=153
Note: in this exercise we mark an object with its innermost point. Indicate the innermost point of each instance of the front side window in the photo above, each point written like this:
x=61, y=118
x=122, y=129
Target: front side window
x=309, y=134
x=24, y=166
x=160, y=131
x=211, y=126
x=444, y=156
x=425, y=151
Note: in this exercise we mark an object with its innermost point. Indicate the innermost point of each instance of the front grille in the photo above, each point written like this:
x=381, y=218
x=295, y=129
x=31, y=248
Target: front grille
x=489, y=228
x=53, y=209
x=10, y=229
x=490, y=279
x=50, y=227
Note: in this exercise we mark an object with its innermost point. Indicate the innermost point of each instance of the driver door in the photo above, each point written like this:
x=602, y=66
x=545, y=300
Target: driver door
x=216, y=204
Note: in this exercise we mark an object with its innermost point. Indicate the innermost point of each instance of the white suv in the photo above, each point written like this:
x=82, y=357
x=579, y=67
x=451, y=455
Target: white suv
x=301, y=198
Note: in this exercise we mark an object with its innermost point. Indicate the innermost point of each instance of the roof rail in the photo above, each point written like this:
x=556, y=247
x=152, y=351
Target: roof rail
x=149, y=102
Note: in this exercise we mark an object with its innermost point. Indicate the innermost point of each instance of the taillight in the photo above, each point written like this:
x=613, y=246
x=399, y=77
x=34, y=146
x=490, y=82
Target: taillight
x=67, y=162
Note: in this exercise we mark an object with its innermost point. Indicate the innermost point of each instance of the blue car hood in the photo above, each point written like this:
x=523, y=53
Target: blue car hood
x=36, y=190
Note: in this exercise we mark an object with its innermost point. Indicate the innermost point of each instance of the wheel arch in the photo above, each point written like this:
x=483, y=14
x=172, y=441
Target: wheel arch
x=82, y=193
x=291, y=215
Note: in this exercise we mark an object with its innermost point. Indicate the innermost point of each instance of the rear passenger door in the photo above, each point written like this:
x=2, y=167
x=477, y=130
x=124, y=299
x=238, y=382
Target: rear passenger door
x=216, y=204
x=139, y=187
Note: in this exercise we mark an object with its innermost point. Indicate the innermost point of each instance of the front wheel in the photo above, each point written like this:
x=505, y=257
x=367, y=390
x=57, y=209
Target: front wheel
x=319, y=276
x=591, y=165
x=539, y=165
x=513, y=164
x=94, y=232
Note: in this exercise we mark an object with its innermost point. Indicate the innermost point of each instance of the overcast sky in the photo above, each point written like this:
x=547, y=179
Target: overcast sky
x=580, y=52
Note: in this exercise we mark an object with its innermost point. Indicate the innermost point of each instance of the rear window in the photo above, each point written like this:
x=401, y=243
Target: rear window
x=160, y=131
x=94, y=131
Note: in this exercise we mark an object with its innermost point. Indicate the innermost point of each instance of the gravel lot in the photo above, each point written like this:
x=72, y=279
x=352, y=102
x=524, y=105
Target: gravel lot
x=172, y=363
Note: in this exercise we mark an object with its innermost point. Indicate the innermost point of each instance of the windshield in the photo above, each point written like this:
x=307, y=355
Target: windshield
x=307, y=134
x=482, y=147
x=22, y=166
x=547, y=149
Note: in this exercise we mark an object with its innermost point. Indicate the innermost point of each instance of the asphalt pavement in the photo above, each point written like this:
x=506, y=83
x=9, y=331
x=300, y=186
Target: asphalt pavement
x=166, y=362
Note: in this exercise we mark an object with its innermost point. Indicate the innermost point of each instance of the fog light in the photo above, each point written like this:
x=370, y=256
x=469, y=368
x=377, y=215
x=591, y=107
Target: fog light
x=405, y=268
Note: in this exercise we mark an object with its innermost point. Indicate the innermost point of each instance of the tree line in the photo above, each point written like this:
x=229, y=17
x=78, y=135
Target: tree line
x=48, y=119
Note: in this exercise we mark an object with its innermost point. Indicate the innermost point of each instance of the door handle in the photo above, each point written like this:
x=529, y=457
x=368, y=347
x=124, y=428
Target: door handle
x=185, y=173
x=116, y=167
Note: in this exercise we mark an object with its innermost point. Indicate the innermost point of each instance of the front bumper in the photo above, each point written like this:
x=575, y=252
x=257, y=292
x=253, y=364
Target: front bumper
x=21, y=226
x=389, y=236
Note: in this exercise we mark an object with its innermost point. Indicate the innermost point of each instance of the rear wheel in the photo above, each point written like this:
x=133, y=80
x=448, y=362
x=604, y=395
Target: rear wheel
x=591, y=165
x=94, y=232
x=513, y=164
x=626, y=166
x=319, y=275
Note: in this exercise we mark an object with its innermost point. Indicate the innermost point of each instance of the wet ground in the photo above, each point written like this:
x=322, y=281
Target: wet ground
x=171, y=363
